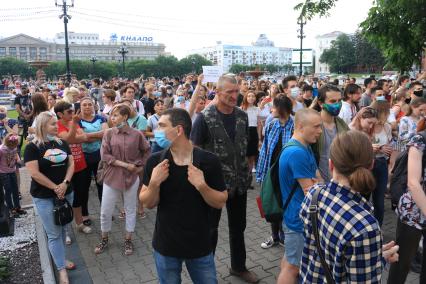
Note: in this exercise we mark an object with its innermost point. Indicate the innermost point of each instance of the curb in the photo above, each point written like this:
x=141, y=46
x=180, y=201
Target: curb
x=45, y=259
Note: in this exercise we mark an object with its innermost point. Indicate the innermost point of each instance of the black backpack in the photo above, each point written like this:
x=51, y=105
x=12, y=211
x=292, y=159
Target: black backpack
x=398, y=182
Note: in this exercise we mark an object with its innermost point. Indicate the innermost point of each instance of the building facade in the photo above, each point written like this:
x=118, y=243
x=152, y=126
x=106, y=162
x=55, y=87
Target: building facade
x=82, y=46
x=323, y=42
x=261, y=52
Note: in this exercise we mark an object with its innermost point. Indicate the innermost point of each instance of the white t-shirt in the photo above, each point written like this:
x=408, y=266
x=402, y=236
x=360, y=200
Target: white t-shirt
x=253, y=112
x=298, y=106
x=153, y=124
x=138, y=105
x=347, y=112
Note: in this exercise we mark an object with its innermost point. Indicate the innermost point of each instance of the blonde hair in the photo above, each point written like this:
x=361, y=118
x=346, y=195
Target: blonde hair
x=3, y=108
x=68, y=94
x=40, y=128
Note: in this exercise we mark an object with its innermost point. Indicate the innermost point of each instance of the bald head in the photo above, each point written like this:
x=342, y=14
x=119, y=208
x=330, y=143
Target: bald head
x=304, y=116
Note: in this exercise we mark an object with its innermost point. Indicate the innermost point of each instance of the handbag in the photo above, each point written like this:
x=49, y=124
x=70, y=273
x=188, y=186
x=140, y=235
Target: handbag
x=62, y=211
x=313, y=214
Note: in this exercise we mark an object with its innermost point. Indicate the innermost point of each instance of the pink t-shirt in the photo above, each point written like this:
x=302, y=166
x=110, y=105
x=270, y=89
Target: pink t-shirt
x=7, y=159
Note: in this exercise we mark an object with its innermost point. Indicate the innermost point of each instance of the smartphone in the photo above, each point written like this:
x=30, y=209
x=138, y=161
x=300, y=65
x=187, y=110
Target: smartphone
x=76, y=107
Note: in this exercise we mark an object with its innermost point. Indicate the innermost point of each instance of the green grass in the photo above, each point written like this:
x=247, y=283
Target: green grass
x=12, y=114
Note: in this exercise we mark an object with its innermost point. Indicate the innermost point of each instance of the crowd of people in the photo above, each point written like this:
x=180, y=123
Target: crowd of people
x=189, y=149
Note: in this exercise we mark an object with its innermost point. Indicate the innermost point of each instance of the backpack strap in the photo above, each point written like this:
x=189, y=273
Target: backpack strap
x=313, y=214
x=135, y=123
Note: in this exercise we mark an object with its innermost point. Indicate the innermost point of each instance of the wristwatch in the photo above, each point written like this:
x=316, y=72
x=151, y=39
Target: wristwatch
x=66, y=182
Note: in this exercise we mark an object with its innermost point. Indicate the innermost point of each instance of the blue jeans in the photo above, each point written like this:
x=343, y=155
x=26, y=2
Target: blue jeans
x=380, y=172
x=201, y=270
x=9, y=183
x=55, y=233
x=293, y=243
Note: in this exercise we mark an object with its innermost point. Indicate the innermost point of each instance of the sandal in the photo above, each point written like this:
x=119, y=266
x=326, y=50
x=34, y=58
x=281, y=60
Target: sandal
x=87, y=222
x=84, y=229
x=122, y=215
x=142, y=215
x=20, y=211
x=101, y=246
x=128, y=247
x=70, y=265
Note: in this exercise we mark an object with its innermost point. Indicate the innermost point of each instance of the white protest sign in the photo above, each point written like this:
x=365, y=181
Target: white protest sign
x=212, y=73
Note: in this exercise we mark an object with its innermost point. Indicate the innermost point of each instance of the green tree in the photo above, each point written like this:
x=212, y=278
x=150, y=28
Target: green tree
x=367, y=56
x=12, y=66
x=341, y=55
x=397, y=27
x=191, y=62
x=238, y=68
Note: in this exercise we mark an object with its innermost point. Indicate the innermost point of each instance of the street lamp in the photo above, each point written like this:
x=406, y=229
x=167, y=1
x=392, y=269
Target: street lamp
x=301, y=22
x=123, y=50
x=93, y=59
x=66, y=17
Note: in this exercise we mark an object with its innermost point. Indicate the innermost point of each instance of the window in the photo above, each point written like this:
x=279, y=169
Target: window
x=33, y=53
x=43, y=53
x=12, y=51
x=23, y=53
x=2, y=51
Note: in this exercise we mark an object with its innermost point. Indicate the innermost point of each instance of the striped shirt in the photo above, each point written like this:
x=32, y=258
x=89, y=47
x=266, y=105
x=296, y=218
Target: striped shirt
x=350, y=237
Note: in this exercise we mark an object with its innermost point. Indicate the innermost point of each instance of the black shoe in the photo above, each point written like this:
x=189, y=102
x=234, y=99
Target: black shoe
x=87, y=222
x=416, y=263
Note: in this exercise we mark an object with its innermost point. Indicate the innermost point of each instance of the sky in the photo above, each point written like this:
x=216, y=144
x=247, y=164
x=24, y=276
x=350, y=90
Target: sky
x=181, y=25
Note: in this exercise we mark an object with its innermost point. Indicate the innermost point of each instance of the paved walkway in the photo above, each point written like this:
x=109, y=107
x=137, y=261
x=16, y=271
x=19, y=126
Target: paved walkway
x=115, y=268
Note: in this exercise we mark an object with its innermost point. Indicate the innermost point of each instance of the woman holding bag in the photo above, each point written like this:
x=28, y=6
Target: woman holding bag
x=51, y=166
x=124, y=152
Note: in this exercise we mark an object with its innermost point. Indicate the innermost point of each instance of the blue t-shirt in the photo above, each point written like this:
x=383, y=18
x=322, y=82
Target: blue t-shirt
x=89, y=127
x=296, y=162
x=138, y=122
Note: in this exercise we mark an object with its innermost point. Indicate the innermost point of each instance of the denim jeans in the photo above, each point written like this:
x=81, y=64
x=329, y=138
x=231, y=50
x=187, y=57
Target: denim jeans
x=9, y=183
x=55, y=233
x=380, y=172
x=201, y=270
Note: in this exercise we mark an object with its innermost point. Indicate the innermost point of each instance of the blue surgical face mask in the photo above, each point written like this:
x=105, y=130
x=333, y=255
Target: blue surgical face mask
x=121, y=124
x=51, y=137
x=2, y=116
x=180, y=99
x=161, y=139
x=157, y=94
x=295, y=92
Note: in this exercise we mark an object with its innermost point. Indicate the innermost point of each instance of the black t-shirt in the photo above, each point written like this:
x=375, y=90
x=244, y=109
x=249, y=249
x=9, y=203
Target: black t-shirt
x=308, y=102
x=52, y=160
x=240, y=99
x=200, y=134
x=182, y=226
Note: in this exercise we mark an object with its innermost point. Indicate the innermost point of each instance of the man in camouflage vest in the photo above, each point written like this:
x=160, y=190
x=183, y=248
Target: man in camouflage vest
x=222, y=128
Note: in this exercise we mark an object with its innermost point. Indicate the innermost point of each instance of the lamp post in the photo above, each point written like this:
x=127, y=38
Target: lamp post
x=66, y=17
x=93, y=59
x=301, y=22
x=123, y=50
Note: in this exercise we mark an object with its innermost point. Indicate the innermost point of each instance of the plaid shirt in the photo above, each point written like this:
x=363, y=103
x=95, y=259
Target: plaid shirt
x=272, y=132
x=350, y=237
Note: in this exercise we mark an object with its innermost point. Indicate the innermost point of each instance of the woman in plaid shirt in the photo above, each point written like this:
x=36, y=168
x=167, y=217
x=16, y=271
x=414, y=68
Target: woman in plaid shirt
x=350, y=235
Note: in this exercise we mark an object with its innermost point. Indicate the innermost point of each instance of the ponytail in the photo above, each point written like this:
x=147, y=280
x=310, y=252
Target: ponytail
x=362, y=180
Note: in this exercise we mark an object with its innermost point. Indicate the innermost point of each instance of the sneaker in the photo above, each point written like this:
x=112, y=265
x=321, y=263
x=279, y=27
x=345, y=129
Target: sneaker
x=68, y=240
x=246, y=275
x=270, y=242
x=253, y=170
x=128, y=247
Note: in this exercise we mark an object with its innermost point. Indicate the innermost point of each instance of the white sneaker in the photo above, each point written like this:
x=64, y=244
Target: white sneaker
x=268, y=243
x=68, y=240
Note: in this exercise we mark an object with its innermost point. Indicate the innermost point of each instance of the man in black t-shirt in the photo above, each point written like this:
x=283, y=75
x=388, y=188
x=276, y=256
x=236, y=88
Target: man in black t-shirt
x=184, y=183
x=25, y=112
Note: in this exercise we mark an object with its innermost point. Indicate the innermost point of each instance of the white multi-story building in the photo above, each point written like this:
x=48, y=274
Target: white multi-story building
x=82, y=46
x=261, y=52
x=323, y=42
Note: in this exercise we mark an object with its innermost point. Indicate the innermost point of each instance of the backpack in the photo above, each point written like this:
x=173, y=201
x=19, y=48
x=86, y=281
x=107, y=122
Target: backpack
x=398, y=182
x=270, y=193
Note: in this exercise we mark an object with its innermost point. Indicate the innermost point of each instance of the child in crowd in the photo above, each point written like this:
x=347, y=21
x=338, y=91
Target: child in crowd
x=8, y=181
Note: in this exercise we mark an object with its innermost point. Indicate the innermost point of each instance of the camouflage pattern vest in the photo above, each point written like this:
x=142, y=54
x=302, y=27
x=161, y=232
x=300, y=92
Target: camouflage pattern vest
x=231, y=154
